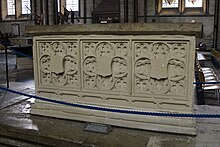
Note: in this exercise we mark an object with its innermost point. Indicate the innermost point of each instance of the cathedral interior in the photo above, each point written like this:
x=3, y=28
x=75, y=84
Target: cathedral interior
x=110, y=73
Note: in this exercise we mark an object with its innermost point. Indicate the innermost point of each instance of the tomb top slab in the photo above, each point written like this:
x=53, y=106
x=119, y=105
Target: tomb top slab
x=195, y=29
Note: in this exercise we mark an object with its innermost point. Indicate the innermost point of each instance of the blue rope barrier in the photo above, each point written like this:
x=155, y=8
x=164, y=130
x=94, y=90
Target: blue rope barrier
x=200, y=83
x=114, y=110
x=25, y=55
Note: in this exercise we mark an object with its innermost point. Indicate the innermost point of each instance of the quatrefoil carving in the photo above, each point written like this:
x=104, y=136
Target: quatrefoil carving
x=159, y=68
x=58, y=64
x=104, y=67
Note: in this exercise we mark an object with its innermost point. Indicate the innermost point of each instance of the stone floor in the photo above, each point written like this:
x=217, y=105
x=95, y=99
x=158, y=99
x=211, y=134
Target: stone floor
x=19, y=128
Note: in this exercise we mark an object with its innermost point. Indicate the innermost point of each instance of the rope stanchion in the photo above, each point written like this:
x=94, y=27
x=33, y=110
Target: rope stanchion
x=114, y=110
x=4, y=47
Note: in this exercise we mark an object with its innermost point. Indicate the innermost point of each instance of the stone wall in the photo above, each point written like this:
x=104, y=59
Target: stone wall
x=6, y=26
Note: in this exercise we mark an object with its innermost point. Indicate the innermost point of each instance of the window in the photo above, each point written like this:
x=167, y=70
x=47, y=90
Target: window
x=11, y=7
x=170, y=4
x=26, y=6
x=168, y=7
x=72, y=5
x=193, y=3
x=58, y=5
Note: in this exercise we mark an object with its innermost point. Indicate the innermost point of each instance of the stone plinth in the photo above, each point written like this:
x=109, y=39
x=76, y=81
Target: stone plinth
x=135, y=72
x=195, y=29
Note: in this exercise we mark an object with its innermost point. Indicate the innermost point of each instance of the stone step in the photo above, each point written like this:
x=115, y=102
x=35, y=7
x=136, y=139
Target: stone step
x=8, y=141
x=15, y=136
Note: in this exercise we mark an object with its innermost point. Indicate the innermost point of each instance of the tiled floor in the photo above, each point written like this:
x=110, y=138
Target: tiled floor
x=19, y=128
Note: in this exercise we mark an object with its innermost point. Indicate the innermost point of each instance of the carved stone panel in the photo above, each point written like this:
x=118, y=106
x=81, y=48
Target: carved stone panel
x=105, y=65
x=159, y=67
x=132, y=66
x=137, y=72
x=58, y=63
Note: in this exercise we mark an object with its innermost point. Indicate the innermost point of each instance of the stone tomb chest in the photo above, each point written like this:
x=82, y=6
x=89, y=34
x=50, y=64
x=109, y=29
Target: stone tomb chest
x=141, y=67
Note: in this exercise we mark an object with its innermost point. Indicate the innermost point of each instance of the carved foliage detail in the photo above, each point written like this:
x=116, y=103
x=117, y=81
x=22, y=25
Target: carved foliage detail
x=159, y=67
x=58, y=63
x=105, y=65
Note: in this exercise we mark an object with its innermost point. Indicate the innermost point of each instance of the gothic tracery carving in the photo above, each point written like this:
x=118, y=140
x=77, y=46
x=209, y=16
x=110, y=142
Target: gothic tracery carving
x=105, y=66
x=58, y=63
x=161, y=70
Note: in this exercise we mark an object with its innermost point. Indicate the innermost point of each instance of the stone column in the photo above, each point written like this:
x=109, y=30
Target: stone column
x=18, y=10
x=135, y=10
x=37, y=7
x=85, y=14
x=145, y=10
x=0, y=10
x=218, y=21
x=126, y=11
x=45, y=12
x=52, y=12
x=3, y=11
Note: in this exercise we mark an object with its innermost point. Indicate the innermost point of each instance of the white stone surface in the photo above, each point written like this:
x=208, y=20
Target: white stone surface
x=136, y=72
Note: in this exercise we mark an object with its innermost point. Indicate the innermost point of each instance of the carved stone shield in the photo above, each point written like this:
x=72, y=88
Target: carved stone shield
x=159, y=68
x=103, y=66
x=57, y=64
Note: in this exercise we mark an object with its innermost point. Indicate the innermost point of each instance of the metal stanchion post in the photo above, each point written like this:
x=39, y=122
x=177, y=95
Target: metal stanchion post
x=3, y=47
x=6, y=66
